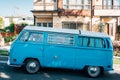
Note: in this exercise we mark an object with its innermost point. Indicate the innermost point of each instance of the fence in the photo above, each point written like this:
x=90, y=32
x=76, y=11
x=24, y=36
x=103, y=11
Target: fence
x=110, y=7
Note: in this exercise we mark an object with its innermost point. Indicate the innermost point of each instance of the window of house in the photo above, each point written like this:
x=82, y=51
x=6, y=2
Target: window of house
x=108, y=4
x=35, y=37
x=39, y=24
x=50, y=24
x=39, y=0
x=75, y=25
x=69, y=25
x=53, y=0
x=45, y=24
x=76, y=4
x=60, y=39
x=48, y=1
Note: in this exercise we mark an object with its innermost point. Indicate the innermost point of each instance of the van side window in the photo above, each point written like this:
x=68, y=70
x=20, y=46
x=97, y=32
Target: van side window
x=91, y=42
x=99, y=43
x=24, y=36
x=60, y=39
x=85, y=41
x=36, y=37
x=80, y=41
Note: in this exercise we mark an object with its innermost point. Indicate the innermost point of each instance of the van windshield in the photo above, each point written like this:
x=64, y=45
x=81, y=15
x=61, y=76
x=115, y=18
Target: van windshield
x=24, y=36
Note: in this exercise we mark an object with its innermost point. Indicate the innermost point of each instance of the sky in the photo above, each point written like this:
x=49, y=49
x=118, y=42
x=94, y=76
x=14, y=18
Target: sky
x=16, y=7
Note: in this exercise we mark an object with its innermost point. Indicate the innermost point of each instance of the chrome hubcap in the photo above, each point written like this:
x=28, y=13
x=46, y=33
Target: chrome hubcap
x=32, y=65
x=93, y=71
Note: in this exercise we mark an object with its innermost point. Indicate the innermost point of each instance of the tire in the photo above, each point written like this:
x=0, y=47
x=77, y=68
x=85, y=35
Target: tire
x=32, y=66
x=93, y=71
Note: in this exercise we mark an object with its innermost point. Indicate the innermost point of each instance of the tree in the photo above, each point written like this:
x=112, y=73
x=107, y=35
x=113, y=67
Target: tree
x=23, y=24
x=1, y=22
x=101, y=27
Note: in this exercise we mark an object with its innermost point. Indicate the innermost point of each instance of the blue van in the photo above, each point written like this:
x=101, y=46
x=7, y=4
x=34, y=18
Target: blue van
x=38, y=47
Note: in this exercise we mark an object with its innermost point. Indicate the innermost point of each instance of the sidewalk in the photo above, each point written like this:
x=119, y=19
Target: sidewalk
x=7, y=48
x=116, y=66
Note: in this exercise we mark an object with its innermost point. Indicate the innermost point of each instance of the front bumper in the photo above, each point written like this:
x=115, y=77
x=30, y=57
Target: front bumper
x=8, y=63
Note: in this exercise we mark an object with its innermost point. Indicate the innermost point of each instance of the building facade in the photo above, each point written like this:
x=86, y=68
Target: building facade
x=78, y=14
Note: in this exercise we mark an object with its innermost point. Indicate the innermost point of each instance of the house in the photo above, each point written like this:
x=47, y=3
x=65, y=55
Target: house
x=108, y=12
x=78, y=14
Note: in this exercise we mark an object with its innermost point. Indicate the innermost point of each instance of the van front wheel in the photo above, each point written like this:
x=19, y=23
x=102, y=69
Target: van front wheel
x=93, y=71
x=32, y=66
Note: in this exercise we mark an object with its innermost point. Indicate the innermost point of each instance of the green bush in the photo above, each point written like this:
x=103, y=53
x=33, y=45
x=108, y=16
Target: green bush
x=2, y=30
x=10, y=28
x=9, y=38
x=23, y=24
x=4, y=53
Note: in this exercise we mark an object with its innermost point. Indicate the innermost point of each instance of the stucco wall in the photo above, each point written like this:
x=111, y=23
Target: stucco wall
x=57, y=21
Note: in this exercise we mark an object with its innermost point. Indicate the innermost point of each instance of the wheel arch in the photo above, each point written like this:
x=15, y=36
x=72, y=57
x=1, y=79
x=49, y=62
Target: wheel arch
x=102, y=68
x=26, y=59
x=86, y=72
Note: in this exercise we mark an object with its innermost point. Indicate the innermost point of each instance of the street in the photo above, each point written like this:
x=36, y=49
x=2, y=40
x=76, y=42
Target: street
x=12, y=73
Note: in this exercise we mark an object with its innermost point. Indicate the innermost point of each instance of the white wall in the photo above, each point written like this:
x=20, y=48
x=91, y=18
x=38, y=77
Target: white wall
x=107, y=12
x=17, y=20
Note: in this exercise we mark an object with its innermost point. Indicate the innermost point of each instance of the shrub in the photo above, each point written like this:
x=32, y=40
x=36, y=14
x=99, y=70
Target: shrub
x=23, y=24
x=10, y=28
x=9, y=39
x=116, y=46
x=2, y=30
x=101, y=27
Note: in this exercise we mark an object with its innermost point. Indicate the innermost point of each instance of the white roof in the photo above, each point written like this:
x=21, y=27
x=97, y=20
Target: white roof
x=70, y=31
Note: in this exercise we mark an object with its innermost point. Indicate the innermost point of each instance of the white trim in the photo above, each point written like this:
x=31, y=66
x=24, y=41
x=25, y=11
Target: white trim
x=3, y=61
x=4, y=56
x=70, y=31
x=51, y=29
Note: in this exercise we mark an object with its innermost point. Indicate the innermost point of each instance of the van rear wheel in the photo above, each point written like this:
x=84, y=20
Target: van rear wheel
x=32, y=66
x=93, y=71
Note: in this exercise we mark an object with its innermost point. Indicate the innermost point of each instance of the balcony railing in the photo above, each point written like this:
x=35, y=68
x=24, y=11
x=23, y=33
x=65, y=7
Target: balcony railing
x=110, y=7
x=46, y=6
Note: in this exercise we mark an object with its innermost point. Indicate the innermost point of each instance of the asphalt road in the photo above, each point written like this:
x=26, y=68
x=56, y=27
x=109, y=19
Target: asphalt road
x=12, y=73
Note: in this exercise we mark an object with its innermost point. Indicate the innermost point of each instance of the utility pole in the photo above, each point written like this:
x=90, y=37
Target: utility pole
x=91, y=15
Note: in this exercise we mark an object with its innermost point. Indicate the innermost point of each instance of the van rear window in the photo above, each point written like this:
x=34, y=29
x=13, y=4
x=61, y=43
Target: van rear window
x=91, y=42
